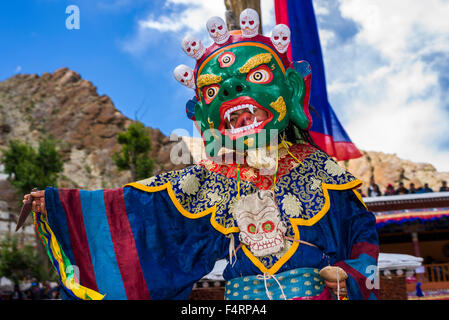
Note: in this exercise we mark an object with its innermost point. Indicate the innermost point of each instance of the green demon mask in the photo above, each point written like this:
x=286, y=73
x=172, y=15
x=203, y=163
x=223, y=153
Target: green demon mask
x=245, y=94
x=247, y=97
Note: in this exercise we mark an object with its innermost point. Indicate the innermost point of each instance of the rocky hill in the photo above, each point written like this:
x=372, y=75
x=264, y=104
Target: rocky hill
x=67, y=107
x=389, y=168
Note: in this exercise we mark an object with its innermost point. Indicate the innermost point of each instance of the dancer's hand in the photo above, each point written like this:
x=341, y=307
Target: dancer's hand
x=38, y=204
x=335, y=278
x=333, y=285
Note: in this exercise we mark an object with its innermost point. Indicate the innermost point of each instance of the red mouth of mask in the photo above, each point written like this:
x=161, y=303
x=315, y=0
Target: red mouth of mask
x=242, y=116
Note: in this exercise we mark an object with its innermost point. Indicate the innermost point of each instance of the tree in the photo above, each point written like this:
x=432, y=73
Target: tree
x=28, y=168
x=136, y=144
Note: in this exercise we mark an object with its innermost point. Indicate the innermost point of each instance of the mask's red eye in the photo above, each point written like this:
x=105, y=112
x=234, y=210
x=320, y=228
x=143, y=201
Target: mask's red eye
x=226, y=59
x=243, y=22
x=284, y=38
x=209, y=92
x=252, y=228
x=260, y=75
x=268, y=226
x=193, y=44
x=251, y=22
x=212, y=30
x=188, y=49
x=276, y=38
x=220, y=27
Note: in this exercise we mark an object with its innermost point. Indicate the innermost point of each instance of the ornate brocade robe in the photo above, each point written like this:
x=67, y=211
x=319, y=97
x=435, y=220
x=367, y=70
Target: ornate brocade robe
x=155, y=238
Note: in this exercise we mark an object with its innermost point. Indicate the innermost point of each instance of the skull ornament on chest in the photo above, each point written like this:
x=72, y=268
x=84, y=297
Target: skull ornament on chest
x=280, y=37
x=249, y=23
x=261, y=228
x=218, y=30
x=193, y=47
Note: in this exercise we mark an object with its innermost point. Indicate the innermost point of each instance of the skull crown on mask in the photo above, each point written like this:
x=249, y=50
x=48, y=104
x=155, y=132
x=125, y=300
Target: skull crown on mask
x=184, y=75
x=280, y=37
x=218, y=30
x=249, y=23
x=193, y=47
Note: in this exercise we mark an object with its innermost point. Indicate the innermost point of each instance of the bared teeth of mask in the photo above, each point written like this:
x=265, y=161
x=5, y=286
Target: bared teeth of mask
x=251, y=108
x=228, y=116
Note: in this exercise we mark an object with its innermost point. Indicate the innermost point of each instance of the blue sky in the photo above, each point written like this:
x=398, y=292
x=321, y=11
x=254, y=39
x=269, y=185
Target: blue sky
x=386, y=62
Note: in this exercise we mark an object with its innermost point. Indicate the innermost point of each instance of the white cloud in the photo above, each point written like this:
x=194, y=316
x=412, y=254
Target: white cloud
x=326, y=36
x=268, y=17
x=188, y=17
x=320, y=10
x=382, y=82
x=182, y=17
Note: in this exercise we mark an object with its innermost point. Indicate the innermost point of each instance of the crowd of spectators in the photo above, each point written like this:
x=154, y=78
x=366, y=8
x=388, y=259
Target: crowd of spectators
x=374, y=190
x=35, y=291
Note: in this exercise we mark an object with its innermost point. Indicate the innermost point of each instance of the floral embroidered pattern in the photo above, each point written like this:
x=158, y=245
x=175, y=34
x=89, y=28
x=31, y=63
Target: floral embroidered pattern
x=189, y=184
x=315, y=183
x=291, y=206
x=214, y=197
x=333, y=168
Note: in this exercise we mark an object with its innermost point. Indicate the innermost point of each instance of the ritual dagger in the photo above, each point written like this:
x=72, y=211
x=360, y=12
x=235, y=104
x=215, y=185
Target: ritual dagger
x=25, y=211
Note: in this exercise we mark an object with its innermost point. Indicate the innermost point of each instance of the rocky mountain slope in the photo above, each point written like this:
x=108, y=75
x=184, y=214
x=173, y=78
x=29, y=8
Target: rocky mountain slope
x=67, y=107
x=389, y=168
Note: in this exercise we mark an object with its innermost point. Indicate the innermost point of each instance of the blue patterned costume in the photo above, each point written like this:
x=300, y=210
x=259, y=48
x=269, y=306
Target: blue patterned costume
x=182, y=222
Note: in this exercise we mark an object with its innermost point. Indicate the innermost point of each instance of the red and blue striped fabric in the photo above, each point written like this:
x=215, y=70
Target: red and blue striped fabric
x=122, y=250
x=326, y=130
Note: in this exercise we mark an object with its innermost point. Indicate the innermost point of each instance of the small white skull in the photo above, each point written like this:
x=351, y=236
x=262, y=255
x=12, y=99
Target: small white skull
x=184, y=75
x=249, y=23
x=193, y=47
x=261, y=228
x=218, y=30
x=280, y=37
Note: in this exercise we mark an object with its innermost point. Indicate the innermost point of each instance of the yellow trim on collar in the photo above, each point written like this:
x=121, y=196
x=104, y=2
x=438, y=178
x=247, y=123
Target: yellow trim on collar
x=359, y=196
x=167, y=186
x=295, y=222
x=346, y=186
